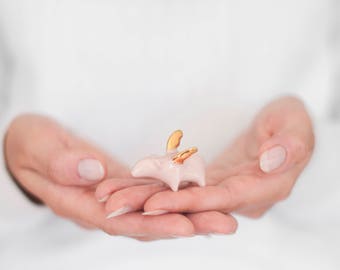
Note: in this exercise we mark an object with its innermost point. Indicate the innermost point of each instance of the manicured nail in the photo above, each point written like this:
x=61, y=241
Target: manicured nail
x=119, y=212
x=155, y=213
x=104, y=199
x=91, y=169
x=272, y=159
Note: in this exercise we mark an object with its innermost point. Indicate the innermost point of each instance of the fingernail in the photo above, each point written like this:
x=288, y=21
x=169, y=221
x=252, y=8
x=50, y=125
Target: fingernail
x=104, y=199
x=119, y=212
x=155, y=213
x=273, y=159
x=91, y=169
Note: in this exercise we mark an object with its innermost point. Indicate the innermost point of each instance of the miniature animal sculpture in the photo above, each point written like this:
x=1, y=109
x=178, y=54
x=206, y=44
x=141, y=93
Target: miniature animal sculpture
x=174, y=167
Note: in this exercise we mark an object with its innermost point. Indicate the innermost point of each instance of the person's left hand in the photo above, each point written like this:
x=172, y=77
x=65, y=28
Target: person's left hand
x=62, y=170
x=259, y=169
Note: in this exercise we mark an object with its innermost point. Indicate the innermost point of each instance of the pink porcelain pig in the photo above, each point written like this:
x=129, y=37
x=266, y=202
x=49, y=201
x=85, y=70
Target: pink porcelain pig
x=174, y=167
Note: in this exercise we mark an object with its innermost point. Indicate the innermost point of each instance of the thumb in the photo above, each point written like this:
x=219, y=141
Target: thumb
x=284, y=134
x=282, y=152
x=75, y=167
x=46, y=148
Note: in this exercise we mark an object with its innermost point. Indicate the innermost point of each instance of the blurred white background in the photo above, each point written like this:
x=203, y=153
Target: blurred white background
x=99, y=66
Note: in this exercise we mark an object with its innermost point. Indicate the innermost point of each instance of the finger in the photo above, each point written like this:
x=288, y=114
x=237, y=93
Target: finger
x=288, y=113
x=75, y=167
x=213, y=222
x=189, y=200
x=80, y=204
x=284, y=135
x=282, y=152
x=114, y=168
x=130, y=199
x=85, y=225
x=234, y=194
x=135, y=224
x=109, y=186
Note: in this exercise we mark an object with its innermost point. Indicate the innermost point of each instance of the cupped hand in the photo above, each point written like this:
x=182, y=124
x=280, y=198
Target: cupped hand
x=256, y=171
x=63, y=170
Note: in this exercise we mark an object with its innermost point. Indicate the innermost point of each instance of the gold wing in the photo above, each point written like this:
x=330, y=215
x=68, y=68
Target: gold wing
x=174, y=140
x=182, y=156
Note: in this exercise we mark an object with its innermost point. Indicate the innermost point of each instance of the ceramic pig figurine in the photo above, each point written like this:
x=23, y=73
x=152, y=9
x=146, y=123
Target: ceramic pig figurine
x=174, y=167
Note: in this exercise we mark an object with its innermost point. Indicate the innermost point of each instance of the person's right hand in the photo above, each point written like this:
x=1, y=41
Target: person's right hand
x=63, y=170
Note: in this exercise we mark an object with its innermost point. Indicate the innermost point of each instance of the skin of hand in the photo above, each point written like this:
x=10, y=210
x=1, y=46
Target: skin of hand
x=256, y=171
x=63, y=171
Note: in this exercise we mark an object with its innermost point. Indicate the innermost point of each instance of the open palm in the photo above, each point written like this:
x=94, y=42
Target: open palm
x=259, y=169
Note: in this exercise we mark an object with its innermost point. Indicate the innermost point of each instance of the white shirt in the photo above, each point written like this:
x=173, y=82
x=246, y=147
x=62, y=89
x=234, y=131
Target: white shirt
x=126, y=73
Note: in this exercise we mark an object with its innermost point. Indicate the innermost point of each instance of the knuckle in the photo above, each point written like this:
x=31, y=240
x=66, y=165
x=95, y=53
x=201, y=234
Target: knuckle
x=110, y=230
x=57, y=167
x=253, y=213
x=52, y=167
x=192, y=193
x=229, y=197
x=256, y=215
x=301, y=148
x=232, y=194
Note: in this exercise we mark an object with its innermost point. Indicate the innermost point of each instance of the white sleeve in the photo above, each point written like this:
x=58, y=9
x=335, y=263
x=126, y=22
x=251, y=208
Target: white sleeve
x=316, y=196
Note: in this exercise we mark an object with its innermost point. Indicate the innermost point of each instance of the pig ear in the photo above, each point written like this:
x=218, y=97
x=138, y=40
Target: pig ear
x=184, y=155
x=174, y=140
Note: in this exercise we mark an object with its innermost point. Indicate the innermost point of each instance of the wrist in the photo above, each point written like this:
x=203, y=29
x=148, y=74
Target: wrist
x=24, y=191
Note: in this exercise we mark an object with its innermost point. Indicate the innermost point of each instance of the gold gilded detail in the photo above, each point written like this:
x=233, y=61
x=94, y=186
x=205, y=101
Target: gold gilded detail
x=174, y=140
x=182, y=156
